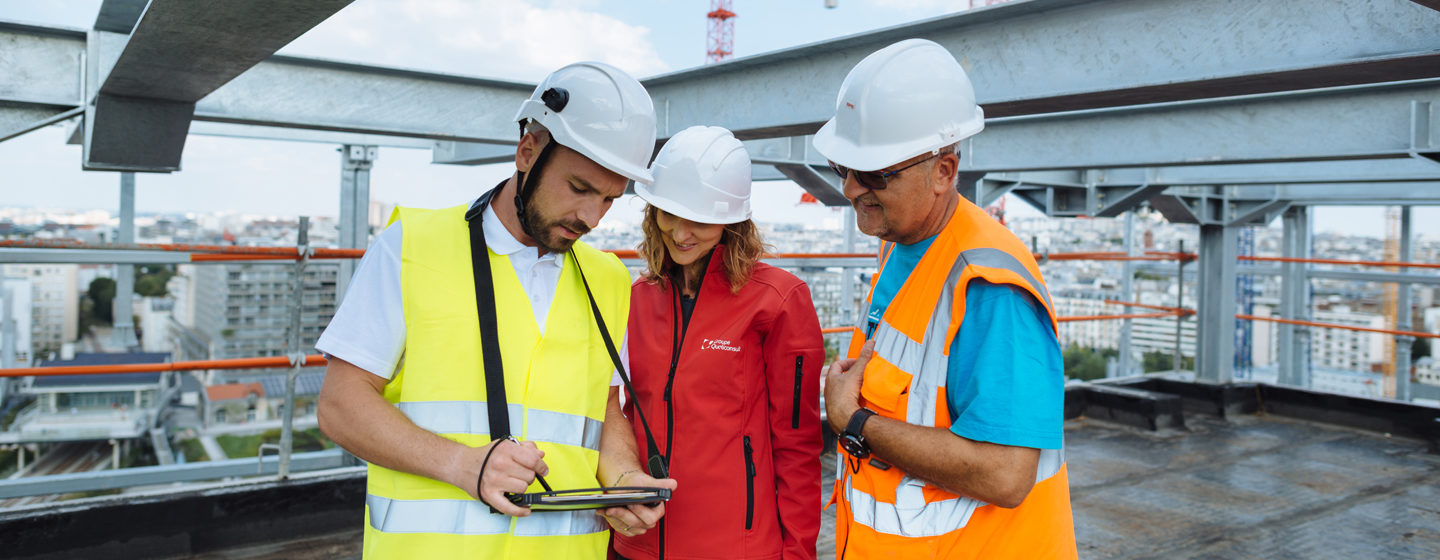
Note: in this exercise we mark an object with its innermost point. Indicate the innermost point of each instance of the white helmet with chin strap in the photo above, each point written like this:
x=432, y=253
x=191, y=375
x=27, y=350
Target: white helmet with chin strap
x=701, y=174
x=904, y=100
x=599, y=111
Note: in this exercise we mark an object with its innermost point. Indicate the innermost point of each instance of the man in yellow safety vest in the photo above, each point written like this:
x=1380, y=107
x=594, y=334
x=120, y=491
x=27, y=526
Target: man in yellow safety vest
x=406, y=388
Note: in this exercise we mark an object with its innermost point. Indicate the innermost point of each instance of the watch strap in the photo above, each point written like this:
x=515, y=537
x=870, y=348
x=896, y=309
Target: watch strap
x=857, y=422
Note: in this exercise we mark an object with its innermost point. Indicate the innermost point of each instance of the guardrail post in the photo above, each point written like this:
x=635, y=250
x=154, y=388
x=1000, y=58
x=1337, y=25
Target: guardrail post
x=1293, y=353
x=1403, y=317
x=297, y=357
x=1127, y=293
x=1176, y=360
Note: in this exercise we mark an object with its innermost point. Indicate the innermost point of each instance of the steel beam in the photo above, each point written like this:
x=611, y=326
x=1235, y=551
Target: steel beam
x=176, y=54
x=168, y=474
x=1215, y=312
x=340, y=97
x=1403, y=314
x=124, y=316
x=1282, y=173
x=470, y=153
x=1293, y=341
x=1370, y=122
x=42, y=66
x=119, y=16
x=1420, y=279
x=1171, y=52
x=823, y=185
x=355, y=165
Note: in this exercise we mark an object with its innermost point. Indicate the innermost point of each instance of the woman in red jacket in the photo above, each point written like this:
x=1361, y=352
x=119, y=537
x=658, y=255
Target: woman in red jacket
x=725, y=358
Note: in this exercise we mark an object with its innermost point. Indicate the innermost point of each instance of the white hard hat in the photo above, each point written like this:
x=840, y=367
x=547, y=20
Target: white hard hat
x=599, y=111
x=904, y=100
x=701, y=174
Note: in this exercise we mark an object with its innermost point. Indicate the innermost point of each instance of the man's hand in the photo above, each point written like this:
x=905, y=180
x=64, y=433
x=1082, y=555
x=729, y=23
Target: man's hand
x=842, y=387
x=512, y=467
x=634, y=519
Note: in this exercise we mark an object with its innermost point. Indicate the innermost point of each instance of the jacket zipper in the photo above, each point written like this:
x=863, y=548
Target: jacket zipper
x=677, y=341
x=749, y=484
x=795, y=406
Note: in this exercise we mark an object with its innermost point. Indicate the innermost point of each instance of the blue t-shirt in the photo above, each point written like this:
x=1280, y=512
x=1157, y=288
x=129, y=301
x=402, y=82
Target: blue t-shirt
x=1006, y=382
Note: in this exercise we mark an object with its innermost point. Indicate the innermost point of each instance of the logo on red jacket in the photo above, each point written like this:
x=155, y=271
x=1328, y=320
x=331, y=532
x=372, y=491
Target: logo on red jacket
x=718, y=344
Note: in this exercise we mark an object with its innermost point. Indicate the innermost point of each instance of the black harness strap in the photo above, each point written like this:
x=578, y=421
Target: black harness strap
x=656, y=461
x=489, y=325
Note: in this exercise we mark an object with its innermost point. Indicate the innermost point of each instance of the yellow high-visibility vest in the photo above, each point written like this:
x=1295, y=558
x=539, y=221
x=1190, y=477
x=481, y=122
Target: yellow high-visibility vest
x=556, y=388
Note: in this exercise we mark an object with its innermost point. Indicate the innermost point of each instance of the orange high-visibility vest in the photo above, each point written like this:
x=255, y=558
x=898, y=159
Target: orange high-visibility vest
x=886, y=513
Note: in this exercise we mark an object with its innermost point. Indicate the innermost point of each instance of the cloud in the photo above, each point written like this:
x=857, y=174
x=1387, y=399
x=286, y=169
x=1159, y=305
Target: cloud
x=508, y=39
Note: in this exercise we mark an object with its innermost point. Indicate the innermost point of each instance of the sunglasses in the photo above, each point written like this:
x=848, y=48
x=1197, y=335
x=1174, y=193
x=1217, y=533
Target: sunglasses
x=874, y=180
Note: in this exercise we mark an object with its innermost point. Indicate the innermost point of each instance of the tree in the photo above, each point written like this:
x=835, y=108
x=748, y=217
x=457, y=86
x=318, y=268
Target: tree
x=101, y=294
x=1084, y=363
x=151, y=280
x=1163, y=361
x=1420, y=348
x=151, y=286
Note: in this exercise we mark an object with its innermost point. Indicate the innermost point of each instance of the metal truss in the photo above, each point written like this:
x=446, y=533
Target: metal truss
x=1172, y=54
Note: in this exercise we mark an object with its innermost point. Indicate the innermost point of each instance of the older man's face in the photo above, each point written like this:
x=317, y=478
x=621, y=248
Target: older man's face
x=898, y=212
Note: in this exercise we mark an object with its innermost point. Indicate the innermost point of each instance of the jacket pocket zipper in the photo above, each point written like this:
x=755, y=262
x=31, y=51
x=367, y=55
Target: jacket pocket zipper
x=795, y=406
x=750, y=484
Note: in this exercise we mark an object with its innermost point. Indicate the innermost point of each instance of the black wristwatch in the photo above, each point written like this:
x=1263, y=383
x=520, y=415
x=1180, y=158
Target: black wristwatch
x=851, y=440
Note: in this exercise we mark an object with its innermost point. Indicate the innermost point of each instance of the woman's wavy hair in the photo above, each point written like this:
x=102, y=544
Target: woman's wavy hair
x=743, y=248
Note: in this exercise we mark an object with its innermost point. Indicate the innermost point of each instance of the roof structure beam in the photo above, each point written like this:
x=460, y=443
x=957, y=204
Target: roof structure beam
x=1362, y=122
x=176, y=54
x=1171, y=52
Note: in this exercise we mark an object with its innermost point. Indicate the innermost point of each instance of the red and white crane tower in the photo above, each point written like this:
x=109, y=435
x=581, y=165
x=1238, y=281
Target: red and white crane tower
x=722, y=31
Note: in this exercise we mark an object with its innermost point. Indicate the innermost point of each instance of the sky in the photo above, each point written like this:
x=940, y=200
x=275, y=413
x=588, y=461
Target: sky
x=518, y=40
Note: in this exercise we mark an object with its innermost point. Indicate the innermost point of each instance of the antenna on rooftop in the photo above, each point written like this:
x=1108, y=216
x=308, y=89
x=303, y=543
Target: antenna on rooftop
x=722, y=31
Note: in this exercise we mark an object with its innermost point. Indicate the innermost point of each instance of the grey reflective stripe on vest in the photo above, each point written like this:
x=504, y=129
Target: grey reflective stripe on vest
x=995, y=258
x=928, y=366
x=471, y=417
x=910, y=516
x=471, y=517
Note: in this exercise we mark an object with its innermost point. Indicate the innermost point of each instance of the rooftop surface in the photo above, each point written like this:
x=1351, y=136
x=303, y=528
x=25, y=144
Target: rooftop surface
x=1248, y=485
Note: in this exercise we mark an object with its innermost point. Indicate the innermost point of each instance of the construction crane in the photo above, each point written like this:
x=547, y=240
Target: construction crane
x=1391, y=304
x=721, y=38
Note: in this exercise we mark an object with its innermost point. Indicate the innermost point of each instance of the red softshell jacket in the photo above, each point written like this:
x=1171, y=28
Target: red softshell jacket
x=741, y=426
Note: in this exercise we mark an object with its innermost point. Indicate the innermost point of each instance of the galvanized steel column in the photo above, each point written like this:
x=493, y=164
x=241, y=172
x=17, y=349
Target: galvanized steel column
x=122, y=314
x=355, y=164
x=1293, y=354
x=1127, y=293
x=1403, y=318
x=1215, y=313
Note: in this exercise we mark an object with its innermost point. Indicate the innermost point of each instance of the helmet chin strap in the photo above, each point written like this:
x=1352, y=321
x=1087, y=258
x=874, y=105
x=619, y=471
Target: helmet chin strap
x=525, y=188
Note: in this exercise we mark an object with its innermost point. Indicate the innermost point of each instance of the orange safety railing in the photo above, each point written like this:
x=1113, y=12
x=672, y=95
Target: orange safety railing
x=236, y=363
x=219, y=253
x=1340, y=261
x=1165, y=312
x=1336, y=326
x=205, y=252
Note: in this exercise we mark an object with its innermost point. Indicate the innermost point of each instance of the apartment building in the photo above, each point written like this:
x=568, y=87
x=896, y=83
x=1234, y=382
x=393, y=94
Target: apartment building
x=243, y=311
x=55, y=303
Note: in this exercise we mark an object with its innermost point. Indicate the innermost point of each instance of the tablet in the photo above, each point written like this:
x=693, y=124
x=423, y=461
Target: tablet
x=590, y=498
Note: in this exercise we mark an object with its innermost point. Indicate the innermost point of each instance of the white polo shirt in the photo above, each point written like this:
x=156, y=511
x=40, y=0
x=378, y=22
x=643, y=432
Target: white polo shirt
x=368, y=329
